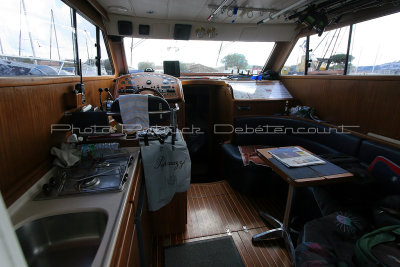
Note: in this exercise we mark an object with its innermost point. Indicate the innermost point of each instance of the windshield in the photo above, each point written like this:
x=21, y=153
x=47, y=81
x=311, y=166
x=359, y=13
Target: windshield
x=197, y=56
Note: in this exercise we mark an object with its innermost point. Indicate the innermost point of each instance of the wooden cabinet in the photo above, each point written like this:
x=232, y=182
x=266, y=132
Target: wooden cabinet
x=243, y=108
x=134, y=243
x=124, y=250
x=171, y=218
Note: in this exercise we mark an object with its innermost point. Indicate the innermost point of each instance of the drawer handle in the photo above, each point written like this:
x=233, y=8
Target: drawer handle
x=241, y=108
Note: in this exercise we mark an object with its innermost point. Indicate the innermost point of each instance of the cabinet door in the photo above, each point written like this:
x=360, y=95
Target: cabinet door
x=123, y=250
x=258, y=108
x=144, y=231
x=126, y=251
x=134, y=255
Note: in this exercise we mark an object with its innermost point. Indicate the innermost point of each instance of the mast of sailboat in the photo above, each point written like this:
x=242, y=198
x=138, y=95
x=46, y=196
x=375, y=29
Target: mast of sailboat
x=20, y=28
x=53, y=27
x=1, y=47
x=29, y=31
x=87, y=46
x=134, y=45
x=131, y=50
x=87, y=50
x=51, y=31
x=219, y=53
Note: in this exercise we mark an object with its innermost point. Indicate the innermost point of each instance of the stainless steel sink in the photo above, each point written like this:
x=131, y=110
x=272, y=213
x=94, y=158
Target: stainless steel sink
x=63, y=240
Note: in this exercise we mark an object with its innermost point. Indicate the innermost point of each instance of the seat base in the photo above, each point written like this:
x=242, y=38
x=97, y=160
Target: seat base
x=278, y=232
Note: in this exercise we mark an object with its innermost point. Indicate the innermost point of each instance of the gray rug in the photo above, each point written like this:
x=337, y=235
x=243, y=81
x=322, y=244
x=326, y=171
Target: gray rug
x=216, y=252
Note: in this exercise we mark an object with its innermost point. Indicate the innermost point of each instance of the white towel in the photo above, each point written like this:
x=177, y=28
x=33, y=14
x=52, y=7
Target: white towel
x=134, y=111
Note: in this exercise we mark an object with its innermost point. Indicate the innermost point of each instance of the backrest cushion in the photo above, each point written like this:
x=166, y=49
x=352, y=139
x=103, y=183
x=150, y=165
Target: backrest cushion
x=278, y=131
x=369, y=150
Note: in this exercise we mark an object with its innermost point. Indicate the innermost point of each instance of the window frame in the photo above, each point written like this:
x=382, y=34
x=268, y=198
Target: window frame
x=183, y=73
x=98, y=48
x=75, y=51
x=307, y=54
x=107, y=46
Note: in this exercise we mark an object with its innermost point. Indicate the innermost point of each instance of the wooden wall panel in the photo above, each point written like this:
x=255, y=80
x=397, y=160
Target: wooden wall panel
x=369, y=102
x=27, y=113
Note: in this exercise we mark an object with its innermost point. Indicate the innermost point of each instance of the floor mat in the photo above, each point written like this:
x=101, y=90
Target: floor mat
x=219, y=252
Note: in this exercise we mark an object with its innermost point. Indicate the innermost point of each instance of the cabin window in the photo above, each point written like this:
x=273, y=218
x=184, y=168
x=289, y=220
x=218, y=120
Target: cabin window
x=105, y=62
x=328, y=52
x=372, y=50
x=375, y=47
x=197, y=56
x=295, y=63
x=36, y=38
x=87, y=50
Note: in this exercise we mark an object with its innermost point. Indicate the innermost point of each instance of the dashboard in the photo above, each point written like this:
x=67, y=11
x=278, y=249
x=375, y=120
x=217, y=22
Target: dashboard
x=259, y=90
x=170, y=87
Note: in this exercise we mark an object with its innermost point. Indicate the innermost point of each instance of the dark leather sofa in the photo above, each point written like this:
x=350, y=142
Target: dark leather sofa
x=285, y=131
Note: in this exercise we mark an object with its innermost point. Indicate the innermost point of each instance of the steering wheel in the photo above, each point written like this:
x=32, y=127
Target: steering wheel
x=138, y=91
x=115, y=105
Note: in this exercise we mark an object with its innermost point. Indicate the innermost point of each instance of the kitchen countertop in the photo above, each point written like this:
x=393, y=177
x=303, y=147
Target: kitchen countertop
x=113, y=203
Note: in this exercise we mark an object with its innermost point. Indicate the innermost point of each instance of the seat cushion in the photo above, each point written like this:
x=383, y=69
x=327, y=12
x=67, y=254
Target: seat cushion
x=251, y=178
x=231, y=153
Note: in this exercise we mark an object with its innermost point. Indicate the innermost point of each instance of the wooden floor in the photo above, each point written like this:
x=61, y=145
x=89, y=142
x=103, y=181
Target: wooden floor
x=215, y=209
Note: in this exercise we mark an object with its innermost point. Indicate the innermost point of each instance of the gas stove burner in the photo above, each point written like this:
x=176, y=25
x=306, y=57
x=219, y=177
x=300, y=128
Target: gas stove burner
x=89, y=183
x=91, y=176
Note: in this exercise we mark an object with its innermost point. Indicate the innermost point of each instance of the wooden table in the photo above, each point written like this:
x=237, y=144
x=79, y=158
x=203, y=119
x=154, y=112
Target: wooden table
x=297, y=176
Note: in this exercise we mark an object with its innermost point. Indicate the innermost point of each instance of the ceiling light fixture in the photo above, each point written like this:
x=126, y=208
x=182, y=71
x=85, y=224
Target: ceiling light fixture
x=117, y=9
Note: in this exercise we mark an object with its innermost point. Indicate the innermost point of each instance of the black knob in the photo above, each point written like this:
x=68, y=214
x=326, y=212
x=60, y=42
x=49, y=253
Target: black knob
x=106, y=89
x=46, y=189
x=100, y=90
x=125, y=178
x=52, y=182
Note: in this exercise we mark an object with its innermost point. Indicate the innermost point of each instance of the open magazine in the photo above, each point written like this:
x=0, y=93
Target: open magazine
x=295, y=157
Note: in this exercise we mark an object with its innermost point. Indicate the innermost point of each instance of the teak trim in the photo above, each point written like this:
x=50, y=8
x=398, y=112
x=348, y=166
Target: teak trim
x=99, y=9
x=343, y=77
x=31, y=81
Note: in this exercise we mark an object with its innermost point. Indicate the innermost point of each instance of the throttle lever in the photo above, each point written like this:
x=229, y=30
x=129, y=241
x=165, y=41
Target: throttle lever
x=109, y=94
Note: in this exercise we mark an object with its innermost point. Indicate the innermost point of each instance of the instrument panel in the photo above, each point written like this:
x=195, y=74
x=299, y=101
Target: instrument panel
x=170, y=87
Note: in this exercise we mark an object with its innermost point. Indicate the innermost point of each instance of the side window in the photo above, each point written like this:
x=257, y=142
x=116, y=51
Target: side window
x=36, y=38
x=295, y=63
x=375, y=47
x=328, y=52
x=87, y=51
x=105, y=63
x=373, y=50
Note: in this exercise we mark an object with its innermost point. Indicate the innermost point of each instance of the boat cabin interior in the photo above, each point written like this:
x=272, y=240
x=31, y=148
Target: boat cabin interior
x=199, y=133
